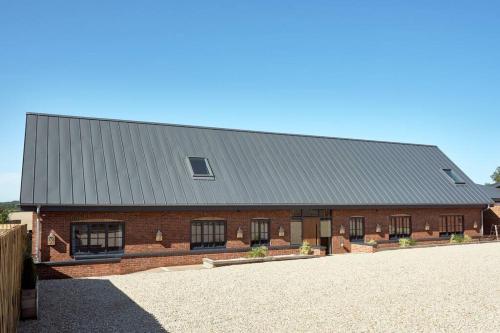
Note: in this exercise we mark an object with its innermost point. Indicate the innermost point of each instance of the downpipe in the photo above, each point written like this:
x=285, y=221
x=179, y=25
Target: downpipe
x=38, y=235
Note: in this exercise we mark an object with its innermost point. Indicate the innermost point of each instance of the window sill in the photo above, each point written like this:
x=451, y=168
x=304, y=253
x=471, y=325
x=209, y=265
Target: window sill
x=98, y=256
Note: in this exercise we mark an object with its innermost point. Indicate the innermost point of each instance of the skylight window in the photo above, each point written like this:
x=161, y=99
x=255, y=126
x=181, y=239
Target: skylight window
x=200, y=168
x=453, y=176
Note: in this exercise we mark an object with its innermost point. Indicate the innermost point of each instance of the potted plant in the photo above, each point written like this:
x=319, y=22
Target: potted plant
x=29, y=290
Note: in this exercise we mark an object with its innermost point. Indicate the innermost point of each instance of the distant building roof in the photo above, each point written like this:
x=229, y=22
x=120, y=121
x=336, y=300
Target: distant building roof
x=76, y=161
x=492, y=190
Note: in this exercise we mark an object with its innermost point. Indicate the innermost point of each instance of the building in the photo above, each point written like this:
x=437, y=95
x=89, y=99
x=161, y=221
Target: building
x=22, y=218
x=115, y=196
x=492, y=215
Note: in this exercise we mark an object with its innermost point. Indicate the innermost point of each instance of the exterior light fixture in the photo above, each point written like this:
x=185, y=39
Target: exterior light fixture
x=51, y=239
x=378, y=228
x=475, y=224
x=239, y=233
x=159, y=236
x=427, y=226
x=341, y=243
x=281, y=231
x=342, y=230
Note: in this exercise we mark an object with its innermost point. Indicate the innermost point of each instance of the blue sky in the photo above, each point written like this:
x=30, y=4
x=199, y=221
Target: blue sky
x=411, y=71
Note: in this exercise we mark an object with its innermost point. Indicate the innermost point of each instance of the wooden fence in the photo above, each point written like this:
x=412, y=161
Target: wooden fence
x=12, y=247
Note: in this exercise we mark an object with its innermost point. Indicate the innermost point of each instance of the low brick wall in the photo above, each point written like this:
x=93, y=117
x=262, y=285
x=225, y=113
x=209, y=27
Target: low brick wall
x=362, y=248
x=129, y=263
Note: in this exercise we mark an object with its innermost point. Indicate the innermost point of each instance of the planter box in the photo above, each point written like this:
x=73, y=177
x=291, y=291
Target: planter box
x=29, y=303
x=210, y=263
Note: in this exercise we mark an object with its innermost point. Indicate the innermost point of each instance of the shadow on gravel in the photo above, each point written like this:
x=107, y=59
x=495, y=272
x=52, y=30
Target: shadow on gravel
x=88, y=305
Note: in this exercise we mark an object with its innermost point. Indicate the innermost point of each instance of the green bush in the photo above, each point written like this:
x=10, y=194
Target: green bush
x=305, y=248
x=406, y=242
x=372, y=242
x=467, y=239
x=455, y=239
x=258, y=252
x=29, y=277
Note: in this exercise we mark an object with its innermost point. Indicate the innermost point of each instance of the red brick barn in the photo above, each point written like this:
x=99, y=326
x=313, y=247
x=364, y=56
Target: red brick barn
x=114, y=196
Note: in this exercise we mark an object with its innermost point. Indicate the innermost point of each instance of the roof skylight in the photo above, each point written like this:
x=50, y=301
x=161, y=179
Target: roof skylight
x=454, y=176
x=200, y=168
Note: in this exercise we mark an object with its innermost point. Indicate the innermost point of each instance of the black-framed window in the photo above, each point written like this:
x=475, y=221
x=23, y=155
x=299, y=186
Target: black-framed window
x=400, y=227
x=260, y=232
x=451, y=224
x=357, y=229
x=97, y=238
x=208, y=234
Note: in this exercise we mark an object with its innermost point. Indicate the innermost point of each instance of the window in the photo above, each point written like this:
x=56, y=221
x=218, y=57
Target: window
x=356, y=229
x=452, y=174
x=400, y=227
x=200, y=168
x=451, y=224
x=97, y=238
x=260, y=232
x=208, y=234
x=296, y=232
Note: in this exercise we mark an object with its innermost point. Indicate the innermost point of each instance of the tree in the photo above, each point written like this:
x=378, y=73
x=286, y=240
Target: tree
x=4, y=215
x=496, y=175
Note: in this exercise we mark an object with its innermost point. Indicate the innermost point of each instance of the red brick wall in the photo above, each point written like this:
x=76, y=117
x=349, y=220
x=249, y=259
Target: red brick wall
x=419, y=217
x=141, y=228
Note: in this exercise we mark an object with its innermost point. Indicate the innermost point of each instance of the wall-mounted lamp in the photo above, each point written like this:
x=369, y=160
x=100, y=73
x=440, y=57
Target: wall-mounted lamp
x=281, y=231
x=378, y=228
x=51, y=239
x=475, y=225
x=342, y=229
x=239, y=233
x=427, y=226
x=342, y=243
x=159, y=236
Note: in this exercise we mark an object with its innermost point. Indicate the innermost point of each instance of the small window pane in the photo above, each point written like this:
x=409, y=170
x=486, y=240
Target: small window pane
x=200, y=167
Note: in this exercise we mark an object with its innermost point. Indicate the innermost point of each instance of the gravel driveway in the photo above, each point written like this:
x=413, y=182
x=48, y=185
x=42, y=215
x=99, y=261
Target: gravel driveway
x=452, y=288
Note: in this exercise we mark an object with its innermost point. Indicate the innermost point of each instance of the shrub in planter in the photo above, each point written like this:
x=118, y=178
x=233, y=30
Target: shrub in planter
x=258, y=252
x=406, y=242
x=305, y=248
x=455, y=239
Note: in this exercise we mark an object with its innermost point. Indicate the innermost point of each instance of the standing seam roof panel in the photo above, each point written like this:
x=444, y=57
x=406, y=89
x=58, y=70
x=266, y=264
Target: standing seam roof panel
x=82, y=161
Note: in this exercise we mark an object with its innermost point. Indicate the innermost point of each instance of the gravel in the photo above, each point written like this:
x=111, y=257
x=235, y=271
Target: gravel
x=440, y=289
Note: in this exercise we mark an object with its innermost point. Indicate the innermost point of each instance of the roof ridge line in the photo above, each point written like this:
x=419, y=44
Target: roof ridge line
x=226, y=129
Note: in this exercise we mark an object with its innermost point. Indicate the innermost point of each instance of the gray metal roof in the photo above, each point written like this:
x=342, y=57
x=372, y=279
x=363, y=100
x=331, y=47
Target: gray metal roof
x=492, y=190
x=75, y=161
